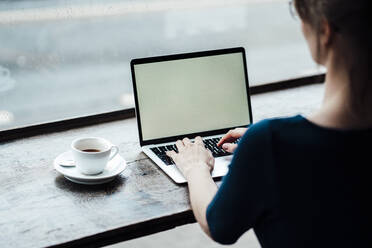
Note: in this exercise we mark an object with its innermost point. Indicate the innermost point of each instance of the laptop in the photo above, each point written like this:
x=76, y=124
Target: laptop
x=187, y=95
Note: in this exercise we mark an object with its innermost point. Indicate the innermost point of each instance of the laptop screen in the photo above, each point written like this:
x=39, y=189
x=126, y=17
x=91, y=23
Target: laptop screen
x=191, y=95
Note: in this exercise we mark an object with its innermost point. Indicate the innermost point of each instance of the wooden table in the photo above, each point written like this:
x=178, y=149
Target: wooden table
x=39, y=207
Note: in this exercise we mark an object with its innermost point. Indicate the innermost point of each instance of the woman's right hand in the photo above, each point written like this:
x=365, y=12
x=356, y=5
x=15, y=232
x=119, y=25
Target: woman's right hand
x=229, y=137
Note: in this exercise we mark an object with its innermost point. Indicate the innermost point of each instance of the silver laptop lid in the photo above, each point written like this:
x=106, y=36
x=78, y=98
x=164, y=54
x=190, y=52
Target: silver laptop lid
x=184, y=95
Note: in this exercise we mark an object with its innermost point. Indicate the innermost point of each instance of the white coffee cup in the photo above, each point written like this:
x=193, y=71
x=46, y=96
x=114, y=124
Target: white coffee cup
x=92, y=154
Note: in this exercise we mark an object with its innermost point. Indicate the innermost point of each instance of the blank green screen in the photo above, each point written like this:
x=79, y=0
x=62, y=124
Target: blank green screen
x=191, y=95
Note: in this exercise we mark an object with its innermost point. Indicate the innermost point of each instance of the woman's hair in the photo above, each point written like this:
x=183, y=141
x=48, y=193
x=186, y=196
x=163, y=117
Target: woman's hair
x=348, y=20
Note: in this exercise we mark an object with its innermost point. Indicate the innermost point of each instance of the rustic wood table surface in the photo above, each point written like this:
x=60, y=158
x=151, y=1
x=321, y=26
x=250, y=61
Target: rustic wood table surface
x=39, y=207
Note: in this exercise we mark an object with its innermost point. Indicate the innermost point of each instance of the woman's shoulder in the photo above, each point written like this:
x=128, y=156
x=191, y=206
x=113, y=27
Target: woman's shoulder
x=261, y=133
x=278, y=123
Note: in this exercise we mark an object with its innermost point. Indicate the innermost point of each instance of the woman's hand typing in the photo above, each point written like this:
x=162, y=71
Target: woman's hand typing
x=229, y=137
x=192, y=156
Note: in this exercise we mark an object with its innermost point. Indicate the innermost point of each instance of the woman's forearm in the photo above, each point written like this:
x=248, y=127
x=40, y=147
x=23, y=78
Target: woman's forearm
x=202, y=189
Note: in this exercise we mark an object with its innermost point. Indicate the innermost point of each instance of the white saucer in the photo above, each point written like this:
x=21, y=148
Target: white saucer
x=90, y=182
x=113, y=168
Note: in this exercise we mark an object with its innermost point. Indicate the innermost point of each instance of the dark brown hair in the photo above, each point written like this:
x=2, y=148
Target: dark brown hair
x=350, y=22
x=345, y=16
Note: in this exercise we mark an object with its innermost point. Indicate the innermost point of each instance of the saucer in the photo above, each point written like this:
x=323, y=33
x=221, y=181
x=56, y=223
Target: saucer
x=114, y=167
x=90, y=182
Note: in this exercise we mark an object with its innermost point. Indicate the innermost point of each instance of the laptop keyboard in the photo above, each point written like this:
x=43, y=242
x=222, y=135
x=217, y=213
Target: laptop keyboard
x=210, y=144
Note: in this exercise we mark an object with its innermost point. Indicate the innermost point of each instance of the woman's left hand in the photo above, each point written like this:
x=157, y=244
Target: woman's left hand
x=192, y=156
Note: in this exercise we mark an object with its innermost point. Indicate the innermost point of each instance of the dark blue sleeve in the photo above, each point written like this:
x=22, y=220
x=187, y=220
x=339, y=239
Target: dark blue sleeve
x=245, y=191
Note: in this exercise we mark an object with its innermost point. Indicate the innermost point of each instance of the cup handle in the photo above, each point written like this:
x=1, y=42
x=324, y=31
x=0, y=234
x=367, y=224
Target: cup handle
x=114, y=152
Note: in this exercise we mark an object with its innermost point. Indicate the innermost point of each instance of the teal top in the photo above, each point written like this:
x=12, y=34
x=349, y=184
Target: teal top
x=297, y=185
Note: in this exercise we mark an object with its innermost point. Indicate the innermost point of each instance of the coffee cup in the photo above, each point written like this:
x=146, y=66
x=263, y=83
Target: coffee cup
x=92, y=154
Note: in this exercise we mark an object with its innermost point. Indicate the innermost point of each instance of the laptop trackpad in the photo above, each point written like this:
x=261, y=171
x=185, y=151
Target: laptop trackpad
x=221, y=166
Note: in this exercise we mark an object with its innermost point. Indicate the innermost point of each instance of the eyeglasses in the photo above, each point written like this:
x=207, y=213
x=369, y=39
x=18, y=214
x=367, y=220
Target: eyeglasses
x=292, y=10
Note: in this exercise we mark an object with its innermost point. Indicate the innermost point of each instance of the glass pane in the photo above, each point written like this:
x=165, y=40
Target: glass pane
x=61, y=59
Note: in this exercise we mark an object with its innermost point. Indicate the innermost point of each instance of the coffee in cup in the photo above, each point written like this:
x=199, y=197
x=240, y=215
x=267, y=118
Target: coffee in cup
x=92, y=154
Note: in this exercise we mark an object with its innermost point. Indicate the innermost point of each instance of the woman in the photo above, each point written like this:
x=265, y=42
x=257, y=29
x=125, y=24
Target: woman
x=299, y=181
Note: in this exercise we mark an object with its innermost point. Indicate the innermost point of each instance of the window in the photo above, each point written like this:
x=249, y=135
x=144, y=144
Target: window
x=61, y=59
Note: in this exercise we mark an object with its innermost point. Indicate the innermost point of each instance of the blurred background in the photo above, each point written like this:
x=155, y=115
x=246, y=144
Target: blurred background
x=67, y=58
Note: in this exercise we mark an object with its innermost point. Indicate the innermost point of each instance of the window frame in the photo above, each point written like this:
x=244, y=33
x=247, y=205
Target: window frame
x=90, y=120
